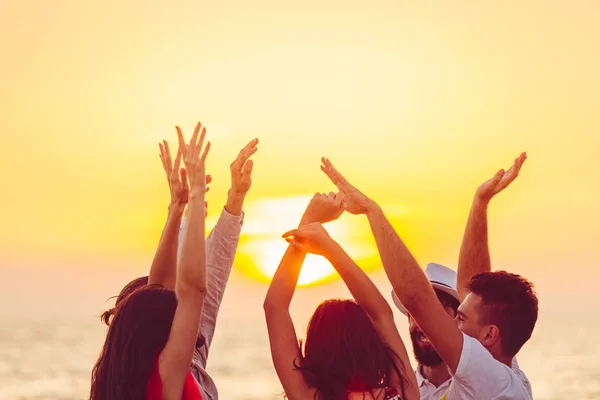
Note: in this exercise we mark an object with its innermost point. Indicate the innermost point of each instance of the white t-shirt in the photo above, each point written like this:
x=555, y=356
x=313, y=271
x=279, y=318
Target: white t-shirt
x=479, y=376
x=428, y=390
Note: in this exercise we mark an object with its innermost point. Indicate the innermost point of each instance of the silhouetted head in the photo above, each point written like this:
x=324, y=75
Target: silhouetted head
x=343, y=352
x=127, y=290
x=500, y=311
x=137, y=333
x=424, y=352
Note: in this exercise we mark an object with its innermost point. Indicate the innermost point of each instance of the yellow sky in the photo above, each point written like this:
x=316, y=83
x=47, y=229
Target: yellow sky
x=415, y=103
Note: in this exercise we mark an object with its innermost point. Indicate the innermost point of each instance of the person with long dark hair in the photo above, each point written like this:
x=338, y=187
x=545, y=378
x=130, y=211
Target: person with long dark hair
x=221, y=247
x=151, y=338
x=352, y=349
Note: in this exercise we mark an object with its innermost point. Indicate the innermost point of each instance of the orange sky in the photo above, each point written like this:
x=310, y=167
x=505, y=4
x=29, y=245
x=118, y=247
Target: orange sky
x=416, y=104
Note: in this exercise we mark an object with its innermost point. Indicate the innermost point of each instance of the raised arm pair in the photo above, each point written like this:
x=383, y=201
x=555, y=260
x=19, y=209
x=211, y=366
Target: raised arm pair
x=408, y=280
x=286, y=352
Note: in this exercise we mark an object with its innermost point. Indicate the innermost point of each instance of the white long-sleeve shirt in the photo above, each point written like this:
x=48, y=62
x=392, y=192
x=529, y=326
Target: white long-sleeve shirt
x=221, y=246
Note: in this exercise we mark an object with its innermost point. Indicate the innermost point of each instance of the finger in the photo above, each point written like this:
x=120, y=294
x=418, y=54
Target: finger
x=162, y=157
x=248, y=168
x=200, y=142
x=168, y=155
x=193, y=140
x=252, y=144
x=297, y=245
x=339, y=199
x=520, y=160
x=332, y=173
x=205, y=153
x=242, y=157
x=183, y=176
x=293, y=232
x=208, y=179
x=182, y=144
x=331, y=196
x=177, y=160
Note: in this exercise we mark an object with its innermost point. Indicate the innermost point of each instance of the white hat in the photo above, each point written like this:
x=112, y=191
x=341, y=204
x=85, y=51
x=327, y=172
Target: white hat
x=441, y=278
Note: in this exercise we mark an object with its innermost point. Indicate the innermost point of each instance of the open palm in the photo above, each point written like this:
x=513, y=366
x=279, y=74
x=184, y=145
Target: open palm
x=176, y=177
x=501, y=180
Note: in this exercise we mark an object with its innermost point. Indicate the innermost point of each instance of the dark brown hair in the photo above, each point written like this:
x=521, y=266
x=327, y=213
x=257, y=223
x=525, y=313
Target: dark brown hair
x=128, y=289
x=343, y=352
x=137, y=333
x=510, y=303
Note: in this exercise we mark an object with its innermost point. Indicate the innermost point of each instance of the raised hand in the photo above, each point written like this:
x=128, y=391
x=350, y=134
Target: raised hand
x=355, y=202
x=324, y=208
x=176, y=177
x=311, y=238
x=501, y=180
x=194, y=160
x=241, y=178
x=241, y=169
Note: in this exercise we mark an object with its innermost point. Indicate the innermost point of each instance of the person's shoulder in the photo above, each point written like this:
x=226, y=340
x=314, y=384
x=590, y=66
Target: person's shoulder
x=521, y=376
x=476, y=361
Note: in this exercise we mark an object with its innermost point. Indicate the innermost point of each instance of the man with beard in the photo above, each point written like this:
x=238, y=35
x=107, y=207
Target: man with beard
x=433, y=376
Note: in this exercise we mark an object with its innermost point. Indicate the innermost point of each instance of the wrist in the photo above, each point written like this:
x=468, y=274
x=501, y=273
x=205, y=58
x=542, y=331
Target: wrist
x=235, y=202
x=196, y=195
x=372, y=208
x=176, y=207
x=480, y=201
x=306, y=220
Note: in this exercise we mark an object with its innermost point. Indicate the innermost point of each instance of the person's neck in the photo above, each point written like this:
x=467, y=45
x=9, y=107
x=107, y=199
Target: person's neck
x=497, y=354
x=436, y=374
x=504, y=360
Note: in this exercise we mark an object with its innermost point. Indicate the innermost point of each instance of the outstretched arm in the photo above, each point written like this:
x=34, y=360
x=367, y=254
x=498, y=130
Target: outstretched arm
x=313, y=238
x=176, y=357
x=285, y=349
x=474, y=254
x=221, y=246
x=408, y=280
x=163, y=268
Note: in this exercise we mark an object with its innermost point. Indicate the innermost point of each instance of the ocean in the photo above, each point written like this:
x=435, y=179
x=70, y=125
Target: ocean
x=53, y=360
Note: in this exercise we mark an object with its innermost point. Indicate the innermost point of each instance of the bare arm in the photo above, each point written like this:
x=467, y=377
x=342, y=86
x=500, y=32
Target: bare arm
x=163, y=268
x=414, y=290
x=474, y=254
x=285, y=350
x=176, y=357
x=408, y=280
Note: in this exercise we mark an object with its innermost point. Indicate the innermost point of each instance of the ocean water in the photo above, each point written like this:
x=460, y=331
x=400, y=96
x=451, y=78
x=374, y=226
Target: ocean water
x=53, y=360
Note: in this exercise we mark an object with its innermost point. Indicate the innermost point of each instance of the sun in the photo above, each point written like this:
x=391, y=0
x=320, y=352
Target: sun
x=262, y=246
x=268, y=253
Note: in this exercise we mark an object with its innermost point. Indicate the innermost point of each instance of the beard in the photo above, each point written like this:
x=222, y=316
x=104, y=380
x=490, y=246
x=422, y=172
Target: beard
x=424, y=354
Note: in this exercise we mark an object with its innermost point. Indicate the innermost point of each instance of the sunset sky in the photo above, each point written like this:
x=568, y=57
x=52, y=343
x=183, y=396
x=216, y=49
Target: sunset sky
x=416, y=104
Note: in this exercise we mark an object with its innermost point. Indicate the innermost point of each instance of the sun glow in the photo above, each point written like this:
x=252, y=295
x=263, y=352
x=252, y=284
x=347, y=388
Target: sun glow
x=264, y=247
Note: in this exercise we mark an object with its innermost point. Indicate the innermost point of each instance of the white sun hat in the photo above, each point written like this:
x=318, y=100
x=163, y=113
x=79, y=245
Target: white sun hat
x=441, y=278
